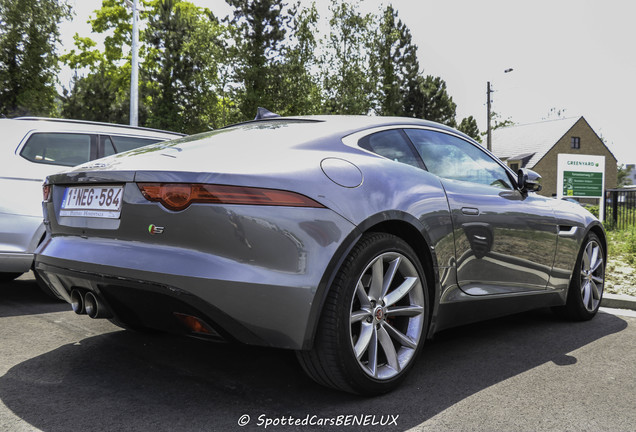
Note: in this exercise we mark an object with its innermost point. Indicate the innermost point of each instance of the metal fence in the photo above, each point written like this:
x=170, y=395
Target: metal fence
x=620, y=207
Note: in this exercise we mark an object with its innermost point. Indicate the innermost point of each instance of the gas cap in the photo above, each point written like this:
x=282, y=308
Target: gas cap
x=342, y=172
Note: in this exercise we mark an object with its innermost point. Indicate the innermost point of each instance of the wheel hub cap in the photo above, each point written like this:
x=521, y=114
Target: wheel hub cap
x=379, y=314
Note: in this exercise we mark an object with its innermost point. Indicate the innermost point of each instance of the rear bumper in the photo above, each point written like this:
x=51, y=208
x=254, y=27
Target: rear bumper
x=144, y=304
x=145, y=285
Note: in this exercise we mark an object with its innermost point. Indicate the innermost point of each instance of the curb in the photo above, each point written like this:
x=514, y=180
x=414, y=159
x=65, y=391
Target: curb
x=618, y=301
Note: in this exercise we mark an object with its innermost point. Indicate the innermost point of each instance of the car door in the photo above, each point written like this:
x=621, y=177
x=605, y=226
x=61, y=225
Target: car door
x=505, y=240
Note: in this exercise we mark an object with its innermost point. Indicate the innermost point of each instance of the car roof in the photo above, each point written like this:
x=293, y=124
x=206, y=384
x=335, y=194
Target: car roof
x=256, y=146
x=347, y=124
x=321, y=127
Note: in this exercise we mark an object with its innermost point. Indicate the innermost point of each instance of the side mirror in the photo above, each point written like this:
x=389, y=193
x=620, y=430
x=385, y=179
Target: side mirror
x=529, y=181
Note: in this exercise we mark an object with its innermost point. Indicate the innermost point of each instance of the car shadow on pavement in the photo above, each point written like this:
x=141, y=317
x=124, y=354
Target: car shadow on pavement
x=131, y=381
x=23, y=297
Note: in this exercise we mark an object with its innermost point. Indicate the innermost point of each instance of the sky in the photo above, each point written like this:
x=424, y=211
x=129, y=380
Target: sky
x=574, y=56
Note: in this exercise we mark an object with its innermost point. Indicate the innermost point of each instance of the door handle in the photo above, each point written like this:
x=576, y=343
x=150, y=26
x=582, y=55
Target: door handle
x=470, y=211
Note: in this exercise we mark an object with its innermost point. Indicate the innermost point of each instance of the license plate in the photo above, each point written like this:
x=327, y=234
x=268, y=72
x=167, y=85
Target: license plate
x=92, y=201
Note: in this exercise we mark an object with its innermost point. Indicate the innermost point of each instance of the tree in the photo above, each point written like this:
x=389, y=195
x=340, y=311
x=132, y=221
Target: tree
x=430, y=100
x=259, y=27
x=96, y=97
x=555, y=114
x=180, y=67
x=297, y=80
x=394, y=59
x=28, y=62
x=497, y=121
x=622, y=175
x=348, y=85
x=468, y=125
x=179, y=55
x=100, y=90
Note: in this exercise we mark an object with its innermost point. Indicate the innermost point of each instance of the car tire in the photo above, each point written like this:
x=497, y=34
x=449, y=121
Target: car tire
x=586, y=285
x=8, y=277
x=374, y=320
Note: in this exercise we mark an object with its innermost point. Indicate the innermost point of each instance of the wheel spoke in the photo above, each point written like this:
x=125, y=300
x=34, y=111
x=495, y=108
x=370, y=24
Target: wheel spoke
x=596, y=295
x=586, y=257
x=363, y=298
x=410, y=311
x=402, y=339
x=597, y=279
x=395, y=295
x=593, y=258
x=586, y=290
x=388, y=348
x=373, y=352
x=390, y=274
x=377, y=276
x=596, y=264
x=366, y=334
x=360, y=315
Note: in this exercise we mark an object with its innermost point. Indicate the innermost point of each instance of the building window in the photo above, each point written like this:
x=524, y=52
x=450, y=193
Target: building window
x=575, y=142
x=514, y=167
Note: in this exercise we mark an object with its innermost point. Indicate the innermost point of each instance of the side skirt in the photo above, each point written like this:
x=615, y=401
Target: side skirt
x=479, y=308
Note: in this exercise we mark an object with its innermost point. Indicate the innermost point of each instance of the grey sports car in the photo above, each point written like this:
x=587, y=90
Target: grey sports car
x=348, y=239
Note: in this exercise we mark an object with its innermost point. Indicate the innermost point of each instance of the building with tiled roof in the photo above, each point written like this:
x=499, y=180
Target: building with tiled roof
x=537, y=145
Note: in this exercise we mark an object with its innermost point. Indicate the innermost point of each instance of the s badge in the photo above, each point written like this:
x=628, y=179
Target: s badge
x=154, y=229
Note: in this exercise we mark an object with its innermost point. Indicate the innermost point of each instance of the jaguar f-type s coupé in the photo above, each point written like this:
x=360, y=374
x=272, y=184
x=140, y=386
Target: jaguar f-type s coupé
x=348, y=239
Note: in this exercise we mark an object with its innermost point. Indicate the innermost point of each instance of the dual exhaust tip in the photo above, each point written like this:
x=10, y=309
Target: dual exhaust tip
x=87, y=303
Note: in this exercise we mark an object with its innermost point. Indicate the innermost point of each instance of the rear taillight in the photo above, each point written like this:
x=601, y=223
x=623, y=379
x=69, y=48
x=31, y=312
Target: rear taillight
x=46, y=192
x=178, y=196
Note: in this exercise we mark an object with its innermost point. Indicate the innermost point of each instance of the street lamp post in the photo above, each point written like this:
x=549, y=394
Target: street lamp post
x=488, y=129
x=488, y=112
x=134, y=73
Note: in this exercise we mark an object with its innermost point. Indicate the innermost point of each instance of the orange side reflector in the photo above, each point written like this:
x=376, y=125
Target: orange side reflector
x=193, y=323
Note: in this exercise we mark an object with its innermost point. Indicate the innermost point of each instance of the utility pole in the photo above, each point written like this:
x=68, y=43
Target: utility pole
x=134, y=73
x=488, y=129
x=488, y=113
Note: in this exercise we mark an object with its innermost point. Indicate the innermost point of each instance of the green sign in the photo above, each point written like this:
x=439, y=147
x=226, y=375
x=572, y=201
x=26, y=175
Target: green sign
x=582, y=184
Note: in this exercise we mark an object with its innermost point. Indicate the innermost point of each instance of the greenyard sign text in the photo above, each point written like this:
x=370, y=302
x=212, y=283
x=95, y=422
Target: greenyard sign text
x=580, y=176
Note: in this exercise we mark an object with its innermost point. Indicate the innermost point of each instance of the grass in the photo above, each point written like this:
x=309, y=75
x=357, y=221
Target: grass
x=620, y=274
x=622, y=243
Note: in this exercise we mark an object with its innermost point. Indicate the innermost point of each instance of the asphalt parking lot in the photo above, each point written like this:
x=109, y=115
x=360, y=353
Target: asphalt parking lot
x=529, y=372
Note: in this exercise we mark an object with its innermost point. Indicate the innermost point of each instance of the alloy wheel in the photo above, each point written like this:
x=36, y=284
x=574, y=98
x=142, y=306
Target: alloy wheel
x=387, y=315
x=592, y=277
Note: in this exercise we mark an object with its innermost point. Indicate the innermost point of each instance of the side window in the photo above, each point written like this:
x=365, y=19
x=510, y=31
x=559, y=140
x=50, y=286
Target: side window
x=65, y=149
x=107, y=147
x=122, y=143
x=453, y=158
x=392, y=145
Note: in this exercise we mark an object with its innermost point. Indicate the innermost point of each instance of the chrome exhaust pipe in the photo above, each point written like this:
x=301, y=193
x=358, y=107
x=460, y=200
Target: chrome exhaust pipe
x=77, y=302
x=94, y=307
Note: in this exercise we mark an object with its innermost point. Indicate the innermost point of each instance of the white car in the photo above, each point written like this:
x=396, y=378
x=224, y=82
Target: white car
x=32, y=148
